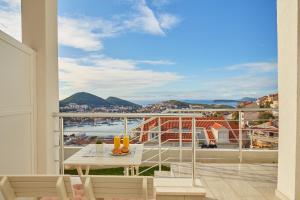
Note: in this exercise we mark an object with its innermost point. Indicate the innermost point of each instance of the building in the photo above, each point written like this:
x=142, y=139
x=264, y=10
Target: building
x=265, y=135
x=209, y=130
x=221, y=134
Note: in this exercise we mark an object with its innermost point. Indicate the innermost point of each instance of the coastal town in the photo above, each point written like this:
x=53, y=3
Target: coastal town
x=214, y=129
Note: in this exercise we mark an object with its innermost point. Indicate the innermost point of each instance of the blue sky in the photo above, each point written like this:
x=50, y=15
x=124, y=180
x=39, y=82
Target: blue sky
x=165, y=49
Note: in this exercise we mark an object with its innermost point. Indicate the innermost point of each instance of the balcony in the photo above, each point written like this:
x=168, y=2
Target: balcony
x=180, y=141
x=29, y=97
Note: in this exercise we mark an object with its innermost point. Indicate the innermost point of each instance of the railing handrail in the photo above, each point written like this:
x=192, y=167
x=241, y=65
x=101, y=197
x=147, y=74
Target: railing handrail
x=141, y=115
x=219, y=110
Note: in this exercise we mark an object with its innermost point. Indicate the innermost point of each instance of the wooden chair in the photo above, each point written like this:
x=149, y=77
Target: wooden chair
x=1, y=196
x=13, y=187
x=137, y=187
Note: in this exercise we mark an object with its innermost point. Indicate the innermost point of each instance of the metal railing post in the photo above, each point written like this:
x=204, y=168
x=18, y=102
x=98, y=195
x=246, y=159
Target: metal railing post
x=251, y=138
x=126, y=125
x=180, y=139
x=240, y=136
x=61, y=145
x=159, y=143
x=193, y=151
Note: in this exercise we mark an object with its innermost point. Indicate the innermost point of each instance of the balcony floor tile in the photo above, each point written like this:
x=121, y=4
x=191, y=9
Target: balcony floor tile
x=234, y=181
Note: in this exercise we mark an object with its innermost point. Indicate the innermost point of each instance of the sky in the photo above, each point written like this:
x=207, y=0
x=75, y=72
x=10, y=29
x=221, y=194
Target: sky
x=153, y=50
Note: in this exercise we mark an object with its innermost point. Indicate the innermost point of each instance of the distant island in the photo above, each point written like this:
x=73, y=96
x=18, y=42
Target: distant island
x=86, y=102
x=238, y=101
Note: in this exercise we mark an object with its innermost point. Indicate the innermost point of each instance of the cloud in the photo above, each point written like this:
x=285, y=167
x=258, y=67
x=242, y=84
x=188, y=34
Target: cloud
x=148, y=21
x=168, y=21
x=84, y=33
x=243, y=85
x=255, y=66
x=107, y=76
x=12, y=3
x=243, y=79
x=10, y=18
x=155, y=62
x=78, y=33
x=235, y=86
x=231, y=88
x=87, y=33
x=145, y=20
x=105, y=61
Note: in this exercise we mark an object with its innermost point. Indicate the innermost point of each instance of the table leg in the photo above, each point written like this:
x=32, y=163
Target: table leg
x=87, y=170
x=137, y=168
x=79, y=170
x=126, y=171
x=132, y=170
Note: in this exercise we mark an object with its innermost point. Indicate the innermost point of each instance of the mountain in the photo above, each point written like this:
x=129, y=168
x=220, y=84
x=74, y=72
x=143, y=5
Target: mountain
x=84, y=98
x=121, y=102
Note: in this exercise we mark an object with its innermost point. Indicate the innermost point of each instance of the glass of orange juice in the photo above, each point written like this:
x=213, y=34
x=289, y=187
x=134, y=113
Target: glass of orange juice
x=117, y=142
x=126, y=141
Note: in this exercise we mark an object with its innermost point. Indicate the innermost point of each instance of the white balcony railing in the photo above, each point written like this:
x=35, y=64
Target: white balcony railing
x=181, y=130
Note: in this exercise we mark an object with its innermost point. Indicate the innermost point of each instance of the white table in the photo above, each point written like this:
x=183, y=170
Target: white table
x=88, y=157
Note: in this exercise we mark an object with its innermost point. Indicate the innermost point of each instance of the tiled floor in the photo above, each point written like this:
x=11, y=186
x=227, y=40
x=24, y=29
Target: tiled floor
x=234, y=181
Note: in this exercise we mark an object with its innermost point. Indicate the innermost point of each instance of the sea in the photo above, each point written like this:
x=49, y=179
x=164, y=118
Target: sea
x=113, y=128
x=105, y=130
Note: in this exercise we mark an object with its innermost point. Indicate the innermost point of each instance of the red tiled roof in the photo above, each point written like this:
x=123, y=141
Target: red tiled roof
x=168, y=123
x=217, y=126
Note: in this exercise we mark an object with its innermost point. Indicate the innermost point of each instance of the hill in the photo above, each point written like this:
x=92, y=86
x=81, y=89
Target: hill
x=121, y=102
x=182, y=104
x=176, y=103
x=84, y=98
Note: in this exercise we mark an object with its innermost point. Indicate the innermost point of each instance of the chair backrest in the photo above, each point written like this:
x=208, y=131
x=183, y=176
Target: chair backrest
x=118, y=187
x=1, y=195
x=35, y=186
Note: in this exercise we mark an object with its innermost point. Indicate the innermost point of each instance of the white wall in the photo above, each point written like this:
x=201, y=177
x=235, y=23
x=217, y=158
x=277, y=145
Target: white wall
x=17, y=107
x=221, y=135
x=39, y=32
x=289, y=102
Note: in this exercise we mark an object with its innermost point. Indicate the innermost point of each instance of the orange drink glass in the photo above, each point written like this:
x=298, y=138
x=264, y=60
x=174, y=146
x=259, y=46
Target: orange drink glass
x=117, y=142
x=126, y=141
